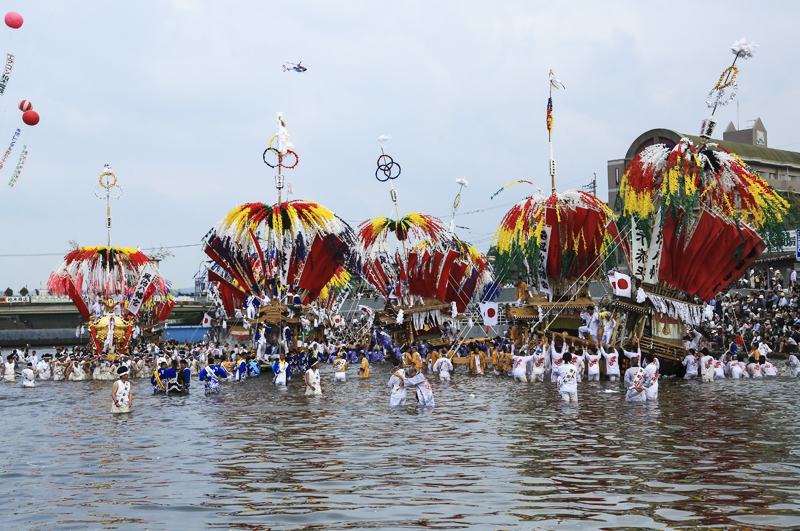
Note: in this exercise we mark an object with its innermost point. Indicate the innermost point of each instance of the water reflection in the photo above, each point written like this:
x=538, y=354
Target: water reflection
x=492, y=455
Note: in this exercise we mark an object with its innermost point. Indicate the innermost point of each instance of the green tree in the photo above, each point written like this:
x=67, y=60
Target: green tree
x=9, y=292
x=24, y=291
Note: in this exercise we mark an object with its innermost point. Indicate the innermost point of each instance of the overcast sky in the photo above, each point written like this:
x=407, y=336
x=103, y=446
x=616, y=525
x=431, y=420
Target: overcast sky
x=180, y=98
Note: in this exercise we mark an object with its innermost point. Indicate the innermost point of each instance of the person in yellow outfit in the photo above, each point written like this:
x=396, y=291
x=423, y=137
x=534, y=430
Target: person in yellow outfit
x=412, y=359
x=494, y=359
x=522, y=292
x=477, y=361
x=364, y=370
x=433, y=357
x=507, y=361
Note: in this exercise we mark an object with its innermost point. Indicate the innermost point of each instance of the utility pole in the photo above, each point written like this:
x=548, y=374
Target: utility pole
x=592, y=186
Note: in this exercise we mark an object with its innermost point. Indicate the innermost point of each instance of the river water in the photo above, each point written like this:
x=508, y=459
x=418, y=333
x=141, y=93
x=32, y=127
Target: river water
x=494, y=454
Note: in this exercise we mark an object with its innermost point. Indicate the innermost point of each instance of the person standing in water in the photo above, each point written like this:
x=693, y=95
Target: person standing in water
x=339, y=368
x=281, y=370
x=399, y=394
x=28, y=376
x=313, y=386
x=212, y=374
x=9, y=371
x=364, y=369
x=121, y=394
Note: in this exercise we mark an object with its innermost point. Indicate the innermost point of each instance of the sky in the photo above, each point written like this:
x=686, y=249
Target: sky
x=180, y=98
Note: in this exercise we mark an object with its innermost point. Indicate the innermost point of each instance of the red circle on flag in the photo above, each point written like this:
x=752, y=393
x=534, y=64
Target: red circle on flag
x=622, y=283
x=490, y=312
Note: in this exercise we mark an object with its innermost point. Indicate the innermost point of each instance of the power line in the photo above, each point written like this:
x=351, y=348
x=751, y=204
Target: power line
x=23, y=255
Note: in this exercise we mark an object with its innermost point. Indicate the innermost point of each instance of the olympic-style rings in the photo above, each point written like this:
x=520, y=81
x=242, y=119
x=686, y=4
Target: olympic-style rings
x=281, y=159
x=386, y=168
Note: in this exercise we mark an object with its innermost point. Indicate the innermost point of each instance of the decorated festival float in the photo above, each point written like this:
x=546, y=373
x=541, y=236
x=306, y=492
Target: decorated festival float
x=557, y=244
x=695, y=216
x=280, y=270
x=425, y=273
x=119, y=291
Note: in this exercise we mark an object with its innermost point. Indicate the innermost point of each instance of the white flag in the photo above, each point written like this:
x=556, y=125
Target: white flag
x=621, y=284
x=206, y=321
x=145, y=280
x=489, y=313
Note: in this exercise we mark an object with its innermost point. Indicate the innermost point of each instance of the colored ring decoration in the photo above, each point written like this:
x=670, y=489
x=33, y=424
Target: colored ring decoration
x=108, y=186
x=721, y=94
x=724, y=80
x=280, y=159
x=386, y=169
x=457, y=201
x=382, y=157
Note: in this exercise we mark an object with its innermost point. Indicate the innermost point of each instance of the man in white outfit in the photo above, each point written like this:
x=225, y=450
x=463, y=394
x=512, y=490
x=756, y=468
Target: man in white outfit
x=568, y=380
x=634, y=383
x=28, y=376
x=312, y=378
x=396, y=384
x=591, y=324
x=592, y=359
x=706, y=366
x=443, y=366
x=44, y=369
x=651, y=377
x=691, y=363
x=612, y=363
x=420, y=383
x=520, y=367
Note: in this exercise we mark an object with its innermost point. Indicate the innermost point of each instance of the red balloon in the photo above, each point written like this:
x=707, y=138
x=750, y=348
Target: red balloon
x=13, y=20
x=30, y=117
x=25, y=105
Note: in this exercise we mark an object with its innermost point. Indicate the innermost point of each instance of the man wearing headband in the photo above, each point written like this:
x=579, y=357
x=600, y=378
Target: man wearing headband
x=212, y=375
x=635, y=357
x=44, y=369
x=420, y=383
x=443, y=366
x=312, y=378
x=28, y=376
x=339, y=367
x=281, y=371
x=121, y=393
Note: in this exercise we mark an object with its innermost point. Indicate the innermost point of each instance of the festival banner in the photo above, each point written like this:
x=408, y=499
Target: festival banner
x=145, y=280
x=544, y=249
x=6, y=73
x=18, y=169
x=10, y=147
x=654, y=253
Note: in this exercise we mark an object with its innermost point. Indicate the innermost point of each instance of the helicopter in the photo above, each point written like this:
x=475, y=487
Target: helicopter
x=294, y=67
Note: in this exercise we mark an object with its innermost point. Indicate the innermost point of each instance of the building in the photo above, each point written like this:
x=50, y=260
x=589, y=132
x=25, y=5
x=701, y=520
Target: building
x=781, y=169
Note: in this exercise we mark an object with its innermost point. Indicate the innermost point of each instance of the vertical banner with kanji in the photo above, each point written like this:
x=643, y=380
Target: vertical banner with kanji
x=544, y=251
x=137, y=299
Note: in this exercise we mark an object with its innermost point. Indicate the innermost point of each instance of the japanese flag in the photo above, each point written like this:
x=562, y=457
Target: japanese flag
x=206, y=321
x=489, y=313
x=621, y=284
